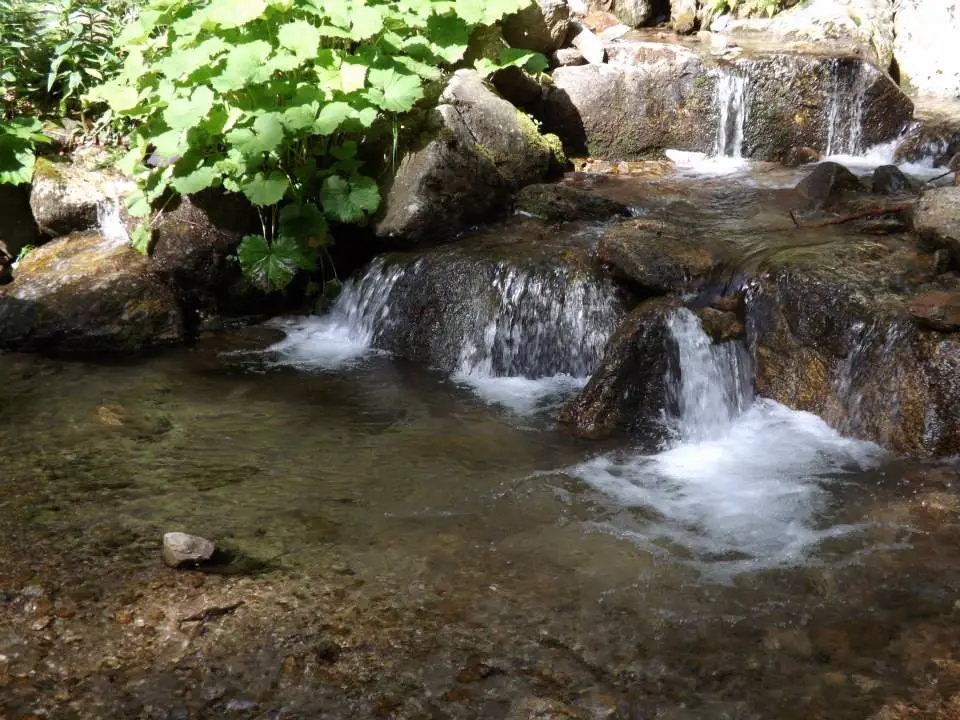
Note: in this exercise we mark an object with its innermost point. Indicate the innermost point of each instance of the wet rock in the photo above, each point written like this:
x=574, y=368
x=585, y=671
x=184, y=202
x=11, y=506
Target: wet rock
x=655, y=95
x=721, y=326
x=683, y=16
x=17, y=226
x=87, y=293
x=924, y=47
x=797, y=156
x=936, y=219
x=192, y=244
x=568, y=56
x=479, y=151
x=558, y=202
x=69, y=196
x=628, y=392
x=182, y=550
x=938, y=309
x=658, y=258
x=538, y=708
x=890, y=180
x=933, y=138
x=541, y=26
x=853, y=27
x=828, y=184
x=831, y=338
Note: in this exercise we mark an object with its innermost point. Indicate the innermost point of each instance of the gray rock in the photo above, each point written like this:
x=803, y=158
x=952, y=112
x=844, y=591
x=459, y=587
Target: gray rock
x=657, y=95
x=925, y=46
x=192, y=243
x=68, y=196
x=629, y=391
x=85, y=293
x=17, y=226
x=683, y=16
x=542, y=26
x=890, y=180
x=479, y=150
x=589, y=45
x=842, y=27
x=827, y=184
x=557, y=203
x=568, y=56
x=936, y=219
x=182, y=550
x=632, y=12
x=934, y=138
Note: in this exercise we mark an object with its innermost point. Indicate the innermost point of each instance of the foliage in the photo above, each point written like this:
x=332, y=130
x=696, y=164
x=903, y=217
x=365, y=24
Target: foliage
x=275, y=99
x=18, y=138
x=747, y=8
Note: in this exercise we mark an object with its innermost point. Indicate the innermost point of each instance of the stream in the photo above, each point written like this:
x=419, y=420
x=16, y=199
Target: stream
x=419, y=542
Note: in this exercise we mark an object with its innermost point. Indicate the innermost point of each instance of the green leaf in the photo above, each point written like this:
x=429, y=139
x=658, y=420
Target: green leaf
x=140, y=238
x=265, y=135
x=137, y=204
x=331, y=117
x=349, y=201
x=272, y=266
x=246, y=62
x=234, y=13
x=365, y=22
x=393, y=91
x=184, y=113
x=300, y=37
x=264, y=190
x=305, y=223
x=300, y=116
x=200, y=179
x=353, y=76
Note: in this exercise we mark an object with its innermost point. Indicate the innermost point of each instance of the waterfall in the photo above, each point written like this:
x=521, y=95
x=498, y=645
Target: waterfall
x=731, y=100
x=110, y=223
x=711, y=386
x=845, y=108
x=474, y=318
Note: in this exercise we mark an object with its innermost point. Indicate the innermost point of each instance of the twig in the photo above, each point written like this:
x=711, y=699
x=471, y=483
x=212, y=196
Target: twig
x=940, y=177
x=874, y=212
x=210, y=613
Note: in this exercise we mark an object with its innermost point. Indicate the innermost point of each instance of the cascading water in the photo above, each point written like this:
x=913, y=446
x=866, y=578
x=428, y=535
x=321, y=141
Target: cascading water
x=845, y=109
x=731, y=100
x=516, y=335
x=740, y=488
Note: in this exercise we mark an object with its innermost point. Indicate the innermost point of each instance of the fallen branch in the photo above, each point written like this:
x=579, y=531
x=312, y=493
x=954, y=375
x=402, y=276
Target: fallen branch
x=941, y=177
x=873, y=212
x=211, y=613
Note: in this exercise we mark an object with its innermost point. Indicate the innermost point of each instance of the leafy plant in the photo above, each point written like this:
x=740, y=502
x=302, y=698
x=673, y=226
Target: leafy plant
x=18, y=140
x=275, y=99
x=747, y=8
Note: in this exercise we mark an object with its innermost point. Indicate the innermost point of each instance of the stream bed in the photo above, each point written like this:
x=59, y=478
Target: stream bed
x=403, y=542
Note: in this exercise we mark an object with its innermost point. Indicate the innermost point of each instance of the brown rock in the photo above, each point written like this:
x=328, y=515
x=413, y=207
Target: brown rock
x=938, y=310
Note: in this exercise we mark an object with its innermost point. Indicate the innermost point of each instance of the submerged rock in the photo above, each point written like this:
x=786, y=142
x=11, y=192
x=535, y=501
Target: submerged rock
x=182, y=550
x=629, y=391
x=479, y=151
x=557, y=202
x=937, y=309
x=87, y=293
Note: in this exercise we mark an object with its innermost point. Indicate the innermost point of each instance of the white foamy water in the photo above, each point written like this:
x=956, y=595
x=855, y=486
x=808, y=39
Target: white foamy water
x=732, y=105
x=743, y=484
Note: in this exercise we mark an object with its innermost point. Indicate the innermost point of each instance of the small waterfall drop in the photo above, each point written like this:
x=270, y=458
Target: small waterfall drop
x=110, y=223
x=845, y=109
x=712, y=385
x=731, y=100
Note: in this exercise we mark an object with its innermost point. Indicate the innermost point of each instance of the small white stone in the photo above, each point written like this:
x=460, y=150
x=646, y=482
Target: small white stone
x=181, y=549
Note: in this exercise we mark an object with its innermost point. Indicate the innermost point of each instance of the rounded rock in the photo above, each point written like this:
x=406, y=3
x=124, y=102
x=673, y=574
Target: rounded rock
x=183, y=550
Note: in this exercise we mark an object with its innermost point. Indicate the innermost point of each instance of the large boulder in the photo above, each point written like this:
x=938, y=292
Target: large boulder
x=926, y=31
x=629, y=392
x=542, y=26
x=827, y=184
x=683, y=16
x=656, y=95
x=479, y=151
x=74, y=195
x=862, y=27
x=936, y=218
x=193, y=241
x=17, y=226
x=87, y=293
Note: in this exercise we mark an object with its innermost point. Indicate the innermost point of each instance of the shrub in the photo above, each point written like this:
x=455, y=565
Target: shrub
x=274, y=99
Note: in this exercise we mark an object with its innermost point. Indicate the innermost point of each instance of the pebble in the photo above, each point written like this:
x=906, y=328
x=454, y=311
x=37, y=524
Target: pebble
x=183, y=550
